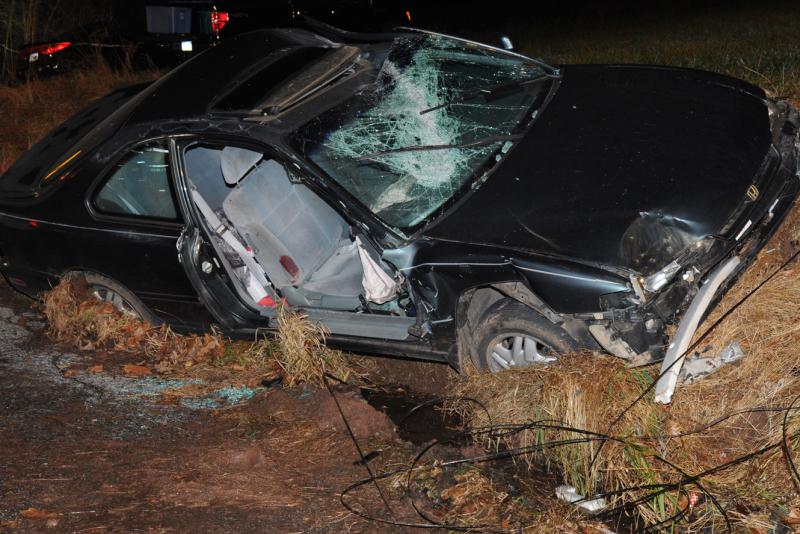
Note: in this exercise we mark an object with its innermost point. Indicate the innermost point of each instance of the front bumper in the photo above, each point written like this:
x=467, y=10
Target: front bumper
x=750, y=233
x=638, y=317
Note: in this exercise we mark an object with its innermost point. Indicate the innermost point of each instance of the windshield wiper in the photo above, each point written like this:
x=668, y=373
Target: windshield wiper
x=478, y=142
x=496, y=91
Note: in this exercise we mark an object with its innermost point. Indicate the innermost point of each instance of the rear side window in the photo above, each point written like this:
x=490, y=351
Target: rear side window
x=139, y=185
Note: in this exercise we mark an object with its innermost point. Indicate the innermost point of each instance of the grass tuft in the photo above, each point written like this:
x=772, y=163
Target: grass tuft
x=77, y=318
x=302, y=353
x=580, y=391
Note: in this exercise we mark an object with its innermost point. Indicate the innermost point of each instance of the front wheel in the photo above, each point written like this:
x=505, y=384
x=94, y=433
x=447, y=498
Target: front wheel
x=511, y=335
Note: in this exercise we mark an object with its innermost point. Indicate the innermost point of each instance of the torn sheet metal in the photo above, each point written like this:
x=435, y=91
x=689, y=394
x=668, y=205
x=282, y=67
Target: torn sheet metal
x=671, y=368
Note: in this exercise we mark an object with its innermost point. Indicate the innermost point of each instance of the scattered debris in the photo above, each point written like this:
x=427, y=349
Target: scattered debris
x=696, y=367
x=690, y=320
x=298, y=357
x=571, y=495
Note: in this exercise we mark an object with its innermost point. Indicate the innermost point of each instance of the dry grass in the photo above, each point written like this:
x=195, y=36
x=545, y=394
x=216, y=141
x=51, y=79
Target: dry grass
x=302, y=353
x=75, y=317
x=33, y=109
x=588, y=392
x=469, y=497
x=758, y=43
x=581, y=391
x=475, y=499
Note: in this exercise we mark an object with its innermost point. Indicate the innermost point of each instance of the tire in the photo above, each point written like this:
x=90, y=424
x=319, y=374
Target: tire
x=511, y=335
x=123, y=299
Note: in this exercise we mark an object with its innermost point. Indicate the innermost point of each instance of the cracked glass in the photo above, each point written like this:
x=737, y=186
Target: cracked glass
x=439, y=114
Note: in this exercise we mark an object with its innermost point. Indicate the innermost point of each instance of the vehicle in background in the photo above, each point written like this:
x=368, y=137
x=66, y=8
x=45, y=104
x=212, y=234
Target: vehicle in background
x=163, y=34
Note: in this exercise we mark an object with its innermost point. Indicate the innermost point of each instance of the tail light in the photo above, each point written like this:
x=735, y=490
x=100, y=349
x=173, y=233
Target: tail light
x=43, y=49
x=219, y=19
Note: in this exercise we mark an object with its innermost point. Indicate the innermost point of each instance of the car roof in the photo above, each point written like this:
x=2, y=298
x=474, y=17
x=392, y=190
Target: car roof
x=189, y=90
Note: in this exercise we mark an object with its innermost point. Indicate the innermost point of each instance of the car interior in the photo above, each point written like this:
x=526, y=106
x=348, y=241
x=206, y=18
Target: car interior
x=281, y=240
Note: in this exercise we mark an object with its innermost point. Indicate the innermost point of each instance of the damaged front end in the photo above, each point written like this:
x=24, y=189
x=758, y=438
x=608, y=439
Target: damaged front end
x=632, y=322
x=688, y=285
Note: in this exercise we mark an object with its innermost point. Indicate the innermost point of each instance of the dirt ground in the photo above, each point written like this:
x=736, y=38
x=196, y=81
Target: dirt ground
x=91, y=451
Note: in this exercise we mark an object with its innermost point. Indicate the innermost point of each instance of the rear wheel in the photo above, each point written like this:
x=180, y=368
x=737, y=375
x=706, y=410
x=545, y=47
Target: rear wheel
x=512, y=335
x=107, y=290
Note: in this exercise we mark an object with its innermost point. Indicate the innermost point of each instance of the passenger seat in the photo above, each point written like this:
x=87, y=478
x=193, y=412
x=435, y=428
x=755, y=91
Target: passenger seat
x=301, y=242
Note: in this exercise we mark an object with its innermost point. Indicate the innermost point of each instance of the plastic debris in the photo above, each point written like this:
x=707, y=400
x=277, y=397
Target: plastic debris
x=696, y=368
x=571, y=495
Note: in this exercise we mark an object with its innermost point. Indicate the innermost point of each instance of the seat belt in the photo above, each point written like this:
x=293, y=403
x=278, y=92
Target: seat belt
x=246, y=254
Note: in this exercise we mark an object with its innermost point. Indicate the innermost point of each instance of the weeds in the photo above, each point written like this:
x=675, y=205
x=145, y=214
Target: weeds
x=77, y=318
x=303, y=354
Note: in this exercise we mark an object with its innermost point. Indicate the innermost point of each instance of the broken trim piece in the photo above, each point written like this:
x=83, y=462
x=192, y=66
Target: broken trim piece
x=612, y=342
x=671, y=367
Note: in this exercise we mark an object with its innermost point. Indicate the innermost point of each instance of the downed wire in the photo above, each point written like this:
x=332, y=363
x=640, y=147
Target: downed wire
x=651, y=490
x=693, y=346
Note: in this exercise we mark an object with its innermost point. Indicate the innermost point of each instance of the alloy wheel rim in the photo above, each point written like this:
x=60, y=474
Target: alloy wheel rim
x=511, y=351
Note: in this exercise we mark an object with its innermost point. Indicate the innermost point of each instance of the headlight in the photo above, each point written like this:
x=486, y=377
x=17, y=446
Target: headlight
x=656, y=281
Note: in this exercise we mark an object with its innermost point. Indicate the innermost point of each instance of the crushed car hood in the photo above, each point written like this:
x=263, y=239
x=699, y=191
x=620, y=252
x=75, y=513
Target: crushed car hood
x=625, y=166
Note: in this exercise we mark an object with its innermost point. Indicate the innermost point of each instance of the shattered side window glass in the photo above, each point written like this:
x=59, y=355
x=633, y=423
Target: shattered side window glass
x=398, y=145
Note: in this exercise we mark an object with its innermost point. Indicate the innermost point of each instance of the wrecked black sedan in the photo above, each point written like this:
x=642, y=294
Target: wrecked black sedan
x=418, y=194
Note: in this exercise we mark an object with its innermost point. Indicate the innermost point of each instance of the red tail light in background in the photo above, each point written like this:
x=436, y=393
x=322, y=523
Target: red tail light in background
x=219, y=19
x=44, y=49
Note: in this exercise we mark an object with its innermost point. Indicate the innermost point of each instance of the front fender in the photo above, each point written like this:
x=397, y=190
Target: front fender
x=441, y=272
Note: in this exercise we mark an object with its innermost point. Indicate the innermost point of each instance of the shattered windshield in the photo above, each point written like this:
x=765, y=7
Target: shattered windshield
x=438, y=114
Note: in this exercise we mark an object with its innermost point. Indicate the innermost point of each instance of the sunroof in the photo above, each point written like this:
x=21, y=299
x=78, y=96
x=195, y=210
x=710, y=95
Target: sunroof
x=250, y=93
